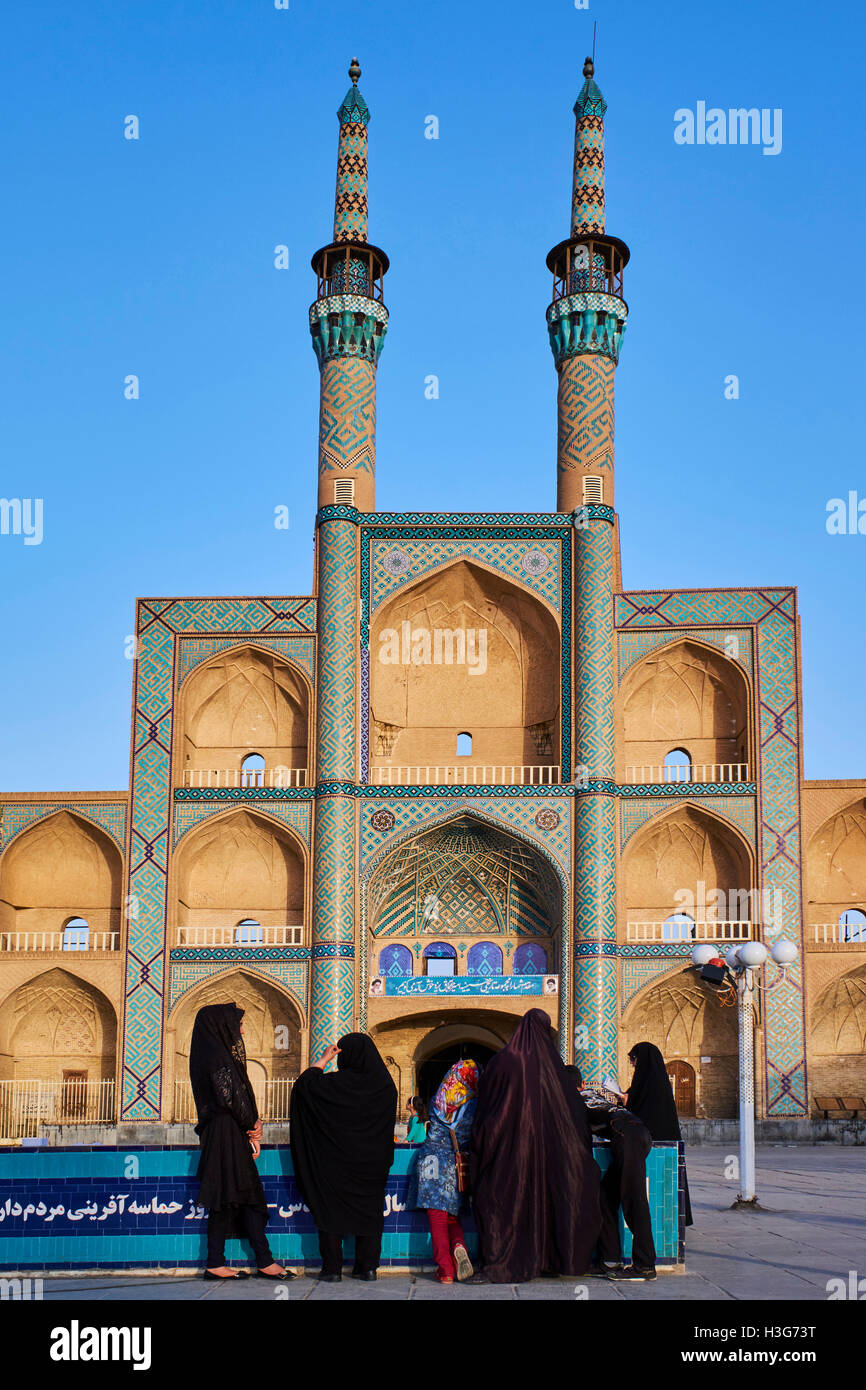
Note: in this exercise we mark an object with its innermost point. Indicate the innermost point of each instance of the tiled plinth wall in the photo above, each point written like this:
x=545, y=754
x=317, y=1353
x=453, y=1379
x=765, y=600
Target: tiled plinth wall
x=112, y=1208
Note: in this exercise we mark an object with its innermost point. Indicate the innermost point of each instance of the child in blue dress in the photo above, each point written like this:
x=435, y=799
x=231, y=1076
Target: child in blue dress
x=434, y=1186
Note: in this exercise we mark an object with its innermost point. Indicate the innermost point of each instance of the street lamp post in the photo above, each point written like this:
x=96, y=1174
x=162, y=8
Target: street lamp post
x=745, y=962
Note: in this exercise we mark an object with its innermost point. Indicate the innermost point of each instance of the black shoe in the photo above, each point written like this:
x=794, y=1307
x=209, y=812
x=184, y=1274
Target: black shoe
x=632, y=1274
x=602, y=1270
x=224, y=1278
x=328, y=1278
x=368, y=1275
x=479, y=1278
x=287, y=1274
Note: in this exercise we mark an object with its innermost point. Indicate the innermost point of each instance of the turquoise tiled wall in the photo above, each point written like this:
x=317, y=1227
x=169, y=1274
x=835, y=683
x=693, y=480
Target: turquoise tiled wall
x=106, y=1208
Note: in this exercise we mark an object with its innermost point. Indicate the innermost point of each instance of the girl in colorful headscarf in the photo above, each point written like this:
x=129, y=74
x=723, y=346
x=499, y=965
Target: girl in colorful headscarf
x=435, y=1184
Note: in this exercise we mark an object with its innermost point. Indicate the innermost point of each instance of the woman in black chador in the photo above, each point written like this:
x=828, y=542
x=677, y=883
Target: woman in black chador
x=535, y=1184
x=230, y=1133
x=651, y=1098
x=342, y=1141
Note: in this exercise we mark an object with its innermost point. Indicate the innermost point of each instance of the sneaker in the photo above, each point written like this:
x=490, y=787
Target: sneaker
x=632, y=1274
x=443, y=1278
x=602, y=1270
x=463, y=1262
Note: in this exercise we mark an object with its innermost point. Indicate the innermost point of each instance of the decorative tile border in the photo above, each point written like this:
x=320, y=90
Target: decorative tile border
x=160, y=622
x=189, y=813
x=291, y=977
x=632, y=647
x=297, y=651
x=507, y=815
x=637, y=973
x=772, y=615
x=738, y=810
x=109, y=816
x=466, y=984
x=425, y=556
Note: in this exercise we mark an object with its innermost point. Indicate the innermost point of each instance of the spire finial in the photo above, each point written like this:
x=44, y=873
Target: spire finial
x=354, y=71
x=588, y=68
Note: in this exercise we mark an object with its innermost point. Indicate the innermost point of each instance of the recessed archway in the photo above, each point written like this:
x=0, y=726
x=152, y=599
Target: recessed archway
x=62, y=867
x=465, y=657
x=58, y=1024
x=684, y=1019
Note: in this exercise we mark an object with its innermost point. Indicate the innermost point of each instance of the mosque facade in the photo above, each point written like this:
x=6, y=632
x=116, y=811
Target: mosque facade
x=467, y=776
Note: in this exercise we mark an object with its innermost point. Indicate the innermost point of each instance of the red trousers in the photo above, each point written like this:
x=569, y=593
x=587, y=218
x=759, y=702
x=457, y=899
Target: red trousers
x=446, y=1232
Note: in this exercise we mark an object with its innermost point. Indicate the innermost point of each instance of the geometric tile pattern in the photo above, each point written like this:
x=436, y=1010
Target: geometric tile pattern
x=350, y=207
x=637, y=973
x=333, y=980
x=335, y=684
x=736, y=643
x=585, y=420
x=347, y=416
x=423, y=814
x=298, y=816
x=507, y=559
x=504, y=556
x=297, y=651
x=739, y=810
x=587, y=204
x=110, y=816
x=292, y=977
x=772, y=614
x=159, y=623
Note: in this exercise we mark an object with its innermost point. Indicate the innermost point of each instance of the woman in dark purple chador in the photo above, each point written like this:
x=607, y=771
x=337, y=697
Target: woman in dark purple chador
x=535, y=1184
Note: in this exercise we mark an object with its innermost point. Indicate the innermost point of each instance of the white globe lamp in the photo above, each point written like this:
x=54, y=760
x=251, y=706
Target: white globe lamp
x=784, y=953
x=702, y=955
x=753, y=954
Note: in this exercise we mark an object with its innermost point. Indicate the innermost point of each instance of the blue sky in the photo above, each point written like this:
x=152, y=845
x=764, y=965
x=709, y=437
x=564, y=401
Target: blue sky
x=156, y=257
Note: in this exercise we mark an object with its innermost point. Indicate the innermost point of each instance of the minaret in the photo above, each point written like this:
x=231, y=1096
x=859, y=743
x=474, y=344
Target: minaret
x=586, y=322
x=348, y=322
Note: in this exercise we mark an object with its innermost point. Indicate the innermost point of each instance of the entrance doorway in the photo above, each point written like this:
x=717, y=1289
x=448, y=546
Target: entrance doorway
x=431, y=1072
x=682, y=1079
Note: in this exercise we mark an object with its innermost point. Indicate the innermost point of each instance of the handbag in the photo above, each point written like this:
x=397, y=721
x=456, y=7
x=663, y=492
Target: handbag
x=461, y=1162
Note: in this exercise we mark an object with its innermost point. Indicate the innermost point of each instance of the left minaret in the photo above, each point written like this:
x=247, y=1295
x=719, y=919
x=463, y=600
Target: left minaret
x=348, y=322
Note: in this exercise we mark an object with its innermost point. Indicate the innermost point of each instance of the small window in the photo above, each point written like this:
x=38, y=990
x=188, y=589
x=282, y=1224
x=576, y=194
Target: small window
x=253, y=770
x=440, y=959
x=678, y=766
x=593, y=489
x=248, y=933
x=76, y=935
x=344, y=491
x=852, y=925
x=678, y=927
x=464, y=745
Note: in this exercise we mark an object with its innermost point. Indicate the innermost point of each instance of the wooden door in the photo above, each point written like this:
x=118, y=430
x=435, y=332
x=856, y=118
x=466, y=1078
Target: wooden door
x=682, y=1079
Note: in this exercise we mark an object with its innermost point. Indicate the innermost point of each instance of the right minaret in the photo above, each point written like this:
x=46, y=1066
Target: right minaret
x=586, y=322
x=586, y=319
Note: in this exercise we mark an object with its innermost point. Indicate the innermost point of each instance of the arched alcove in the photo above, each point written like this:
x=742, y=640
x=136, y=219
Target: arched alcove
x=675, y=854
x=683, y=1017
x=243, y=704
x=464, y=664
x=62, y=867
x=835, y=868
x=55, y=1026
x=272, y=1033
x=239, y=867
x=837, y=1041
x=685, y=696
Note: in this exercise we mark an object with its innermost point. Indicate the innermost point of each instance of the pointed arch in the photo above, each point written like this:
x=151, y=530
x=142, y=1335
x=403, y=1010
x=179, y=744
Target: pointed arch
x=60, y=866
x=57, y=1021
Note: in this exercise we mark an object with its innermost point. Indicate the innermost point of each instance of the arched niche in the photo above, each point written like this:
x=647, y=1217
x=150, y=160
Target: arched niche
x=61, y=867
x=682, y=1016
x=837, y=1036
x=272, y=1029
x=685, y=696
x=241, y=702
x=835, y=867
x=677, y=852
x=464, y=652
x=239, y=866
x=54, y=1025
x=460, y=882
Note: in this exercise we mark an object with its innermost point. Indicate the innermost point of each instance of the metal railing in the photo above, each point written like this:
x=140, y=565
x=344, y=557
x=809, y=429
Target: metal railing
x=273, y=1099
x=247, y=778
x=25, y=1105
x=497, y=774
x=59, y=941
x=689, y=772
x=246, y=936
x=839, y=933
x=689, y=931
